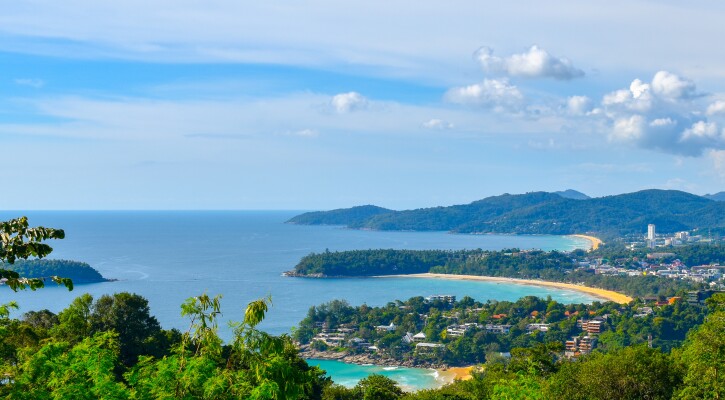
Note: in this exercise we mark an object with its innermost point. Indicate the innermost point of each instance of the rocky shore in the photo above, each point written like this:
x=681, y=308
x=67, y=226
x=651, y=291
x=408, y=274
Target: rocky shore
x=367, y=358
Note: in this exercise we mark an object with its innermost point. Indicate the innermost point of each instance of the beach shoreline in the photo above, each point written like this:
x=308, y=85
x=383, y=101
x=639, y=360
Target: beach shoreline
x=595, y=241
x=449, y=375
x=607, y=295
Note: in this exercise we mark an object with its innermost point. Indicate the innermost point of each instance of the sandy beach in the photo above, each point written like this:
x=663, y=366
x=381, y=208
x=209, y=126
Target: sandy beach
x=607, y=295
x=453, y=373
x=595, y=241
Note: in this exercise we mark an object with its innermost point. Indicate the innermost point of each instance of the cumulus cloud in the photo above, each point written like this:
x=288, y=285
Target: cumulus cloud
x=665, y=114
x=716, y=108
x=670, y=86
x=347, y=102
x=578, y=105
x=636, y=98
x=628, y=129
x=534, y=63
x=494, y=93
x=436, y=123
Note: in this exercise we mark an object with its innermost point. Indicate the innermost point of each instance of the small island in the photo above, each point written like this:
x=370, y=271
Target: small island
x=78, y=272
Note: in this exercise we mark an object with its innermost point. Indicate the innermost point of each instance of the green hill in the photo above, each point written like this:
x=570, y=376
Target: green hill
x=541, y=213
x=79, y=272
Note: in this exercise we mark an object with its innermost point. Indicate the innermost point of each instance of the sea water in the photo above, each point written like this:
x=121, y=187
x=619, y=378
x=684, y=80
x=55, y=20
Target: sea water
x=408, y=379
x=168, y=256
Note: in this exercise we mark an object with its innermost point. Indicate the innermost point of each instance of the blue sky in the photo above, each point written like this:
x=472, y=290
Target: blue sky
x=320, y=104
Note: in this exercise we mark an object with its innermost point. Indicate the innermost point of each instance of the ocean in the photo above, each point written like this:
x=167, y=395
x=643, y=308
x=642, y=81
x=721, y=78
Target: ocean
x=168, y=256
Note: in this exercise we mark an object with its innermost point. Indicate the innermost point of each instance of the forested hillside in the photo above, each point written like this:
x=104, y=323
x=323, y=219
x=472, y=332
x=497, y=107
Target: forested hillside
x=541, y=213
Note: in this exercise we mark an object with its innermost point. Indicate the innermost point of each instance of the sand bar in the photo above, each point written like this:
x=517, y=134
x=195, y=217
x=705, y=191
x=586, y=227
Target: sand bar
x=594, y=240
x=608, y=295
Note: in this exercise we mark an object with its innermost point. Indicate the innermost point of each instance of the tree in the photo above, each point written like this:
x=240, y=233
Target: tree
x=377, y=387
x=704, y=356
x=128, y=315
x=635, y=372
x=19, y=241
x=254, y=366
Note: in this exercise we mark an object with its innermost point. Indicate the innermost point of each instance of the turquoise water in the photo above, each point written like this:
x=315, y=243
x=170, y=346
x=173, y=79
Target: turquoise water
x=170, y=256
x=408, y=378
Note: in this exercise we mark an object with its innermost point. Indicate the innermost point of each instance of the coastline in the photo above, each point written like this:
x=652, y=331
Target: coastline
x=595, y=241
x=607, y=295
x=444, y=374
x=455, y=373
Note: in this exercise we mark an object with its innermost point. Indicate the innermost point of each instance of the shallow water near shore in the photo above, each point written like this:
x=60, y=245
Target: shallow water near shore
x=409, y=379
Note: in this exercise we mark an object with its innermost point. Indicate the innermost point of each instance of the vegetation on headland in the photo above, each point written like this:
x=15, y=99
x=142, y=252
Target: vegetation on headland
x=617, y=371
x=552, y=266
x=78, y=272
x=470, y=332
x=542, y=213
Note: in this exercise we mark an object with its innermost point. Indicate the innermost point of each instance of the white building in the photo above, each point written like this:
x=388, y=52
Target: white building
x=651, y=235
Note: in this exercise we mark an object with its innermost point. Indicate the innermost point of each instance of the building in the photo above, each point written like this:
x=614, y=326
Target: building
x=498, y=329
x=386, y=328
x=419, y=337
x=593, y=326
x=537, y=327
x=429, y=347
x=651, y=232
x=579, y=345
x=699, y=296
x=448, y=298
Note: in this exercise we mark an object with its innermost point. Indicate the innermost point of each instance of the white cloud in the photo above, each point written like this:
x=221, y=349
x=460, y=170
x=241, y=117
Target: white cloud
x=716, y=108
x=662, y=122
x=34, y=83
x=494, y=93
x=670, y=86
x=578, y=105
x=664, y=115
x=702, y=135
x=701, y=129
x=637, y=98
x=638, y=88
x=534, y=63
x=347, y=102
x=717, y=157
x=436, y=123
x=307, y=133
x=628, y=129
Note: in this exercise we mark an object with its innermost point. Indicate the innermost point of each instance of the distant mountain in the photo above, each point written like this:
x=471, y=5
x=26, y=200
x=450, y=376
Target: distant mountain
x=719, y=196
x=343, y=216
x=572, y=194
x=541, y=213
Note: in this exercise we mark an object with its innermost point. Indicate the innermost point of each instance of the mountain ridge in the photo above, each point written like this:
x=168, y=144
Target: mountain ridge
x=540, y=213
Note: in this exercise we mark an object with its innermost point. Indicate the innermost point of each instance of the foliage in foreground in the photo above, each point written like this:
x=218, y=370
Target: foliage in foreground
x=114, y=349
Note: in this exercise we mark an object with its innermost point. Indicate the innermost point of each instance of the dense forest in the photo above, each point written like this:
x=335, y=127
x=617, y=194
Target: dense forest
x=552, y=266
x=79, y=272
x=541, y=213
